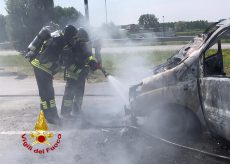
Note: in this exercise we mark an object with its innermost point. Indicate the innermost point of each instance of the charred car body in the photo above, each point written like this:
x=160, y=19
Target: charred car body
x=196, y=80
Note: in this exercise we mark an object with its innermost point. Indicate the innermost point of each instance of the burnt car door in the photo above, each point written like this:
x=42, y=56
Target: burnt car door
x=214, y=84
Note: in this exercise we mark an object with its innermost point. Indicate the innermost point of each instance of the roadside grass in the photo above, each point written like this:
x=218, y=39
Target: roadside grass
x=112, y=62
x=134, y=44
x=173, y=42
x=16, y=63
x=190, y=33
x=226, y=59
x=115, y=63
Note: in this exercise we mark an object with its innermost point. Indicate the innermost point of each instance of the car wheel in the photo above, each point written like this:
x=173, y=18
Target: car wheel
x=174, y=121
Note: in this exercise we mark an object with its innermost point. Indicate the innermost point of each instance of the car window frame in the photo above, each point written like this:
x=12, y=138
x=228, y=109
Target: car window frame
x=209, y=45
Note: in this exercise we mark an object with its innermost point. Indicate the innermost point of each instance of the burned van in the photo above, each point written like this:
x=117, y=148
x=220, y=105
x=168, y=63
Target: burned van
x=195, y=81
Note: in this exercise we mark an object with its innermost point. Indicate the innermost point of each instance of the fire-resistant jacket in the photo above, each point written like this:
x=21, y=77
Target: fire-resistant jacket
x=77, y=59
x=48, y=58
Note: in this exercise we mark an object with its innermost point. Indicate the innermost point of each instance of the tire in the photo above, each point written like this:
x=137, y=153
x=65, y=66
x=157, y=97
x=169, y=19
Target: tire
x=175, y=121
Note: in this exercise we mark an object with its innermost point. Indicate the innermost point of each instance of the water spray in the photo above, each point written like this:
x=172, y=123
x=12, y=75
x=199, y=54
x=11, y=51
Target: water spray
x=117, y=85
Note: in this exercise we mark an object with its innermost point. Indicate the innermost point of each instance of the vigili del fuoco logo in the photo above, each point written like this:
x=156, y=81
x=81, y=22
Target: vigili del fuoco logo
x=40, y=140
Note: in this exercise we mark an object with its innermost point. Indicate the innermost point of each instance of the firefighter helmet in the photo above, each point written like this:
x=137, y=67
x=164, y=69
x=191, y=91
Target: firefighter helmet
x=69, y=32
x=82, y=35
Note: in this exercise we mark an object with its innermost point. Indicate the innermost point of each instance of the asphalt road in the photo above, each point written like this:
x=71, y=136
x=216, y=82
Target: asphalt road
x=79, y=143
x=89, y=140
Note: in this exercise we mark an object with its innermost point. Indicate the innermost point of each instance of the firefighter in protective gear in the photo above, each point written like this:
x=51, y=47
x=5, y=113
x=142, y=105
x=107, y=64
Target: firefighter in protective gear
x=77, y=69
x=46, y=63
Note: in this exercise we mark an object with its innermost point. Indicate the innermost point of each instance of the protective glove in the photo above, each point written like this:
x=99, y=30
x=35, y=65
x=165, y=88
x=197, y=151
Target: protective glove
x=94, y=65
x=30, y=55
x=99, y=65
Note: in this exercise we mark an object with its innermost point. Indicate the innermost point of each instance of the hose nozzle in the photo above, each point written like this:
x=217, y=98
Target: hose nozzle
x=104, y=72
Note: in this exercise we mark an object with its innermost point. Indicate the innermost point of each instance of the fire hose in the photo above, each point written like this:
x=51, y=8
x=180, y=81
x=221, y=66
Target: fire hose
x=220, y=157
x=106, y=74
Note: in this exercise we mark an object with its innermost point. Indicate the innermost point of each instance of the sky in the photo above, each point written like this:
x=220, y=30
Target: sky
x=128, y=11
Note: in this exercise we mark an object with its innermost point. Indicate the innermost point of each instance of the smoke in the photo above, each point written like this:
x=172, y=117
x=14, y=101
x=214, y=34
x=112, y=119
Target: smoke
x=95, y=138
x=97, y=135
x=90, y=139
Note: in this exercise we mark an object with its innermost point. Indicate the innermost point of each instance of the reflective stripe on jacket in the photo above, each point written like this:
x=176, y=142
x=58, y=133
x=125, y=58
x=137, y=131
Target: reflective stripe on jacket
x=73, y=72
x=50, y=67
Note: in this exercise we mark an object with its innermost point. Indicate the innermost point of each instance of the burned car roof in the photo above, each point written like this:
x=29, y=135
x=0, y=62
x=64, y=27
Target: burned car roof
x=195, y=44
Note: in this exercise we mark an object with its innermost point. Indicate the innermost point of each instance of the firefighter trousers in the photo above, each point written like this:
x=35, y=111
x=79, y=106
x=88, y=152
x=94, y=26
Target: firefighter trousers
x=46, y=93
x=73, y=95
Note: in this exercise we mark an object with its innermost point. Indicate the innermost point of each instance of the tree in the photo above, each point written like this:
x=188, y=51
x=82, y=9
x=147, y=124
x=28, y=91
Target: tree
x=200, y=24
x=148, y=21
x=180, y=26
x=3, y=36
x=25, y=19
x=64, y=16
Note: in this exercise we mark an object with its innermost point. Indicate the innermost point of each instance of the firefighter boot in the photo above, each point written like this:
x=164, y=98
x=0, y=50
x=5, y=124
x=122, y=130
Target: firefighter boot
x=50, y=112
x=66, y=108
x=77, y=103
x=51, y=116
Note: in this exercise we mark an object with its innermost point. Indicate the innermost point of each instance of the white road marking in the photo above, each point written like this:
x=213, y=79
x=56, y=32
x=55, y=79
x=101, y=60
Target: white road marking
x=22, y=132
x=14, y=132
